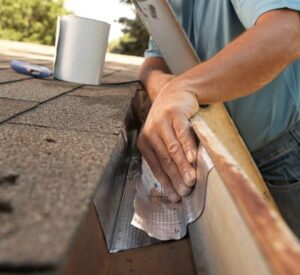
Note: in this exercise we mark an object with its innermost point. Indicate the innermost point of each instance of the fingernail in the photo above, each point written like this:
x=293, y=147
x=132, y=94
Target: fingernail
x=191, y=156
x=174, y=197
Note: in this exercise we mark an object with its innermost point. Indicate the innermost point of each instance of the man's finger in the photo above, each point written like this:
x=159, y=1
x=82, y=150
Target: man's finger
x=169, y=166
x=175, y=151
x=157, y=170
x=186, y=136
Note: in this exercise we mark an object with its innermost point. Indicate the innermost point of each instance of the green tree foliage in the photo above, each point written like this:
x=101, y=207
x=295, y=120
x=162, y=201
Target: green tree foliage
x=30, y=20
x=135, y=38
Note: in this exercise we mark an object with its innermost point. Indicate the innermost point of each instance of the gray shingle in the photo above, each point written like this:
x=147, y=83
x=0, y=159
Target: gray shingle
x=9, y=75
x=91, y=91
x=34, y=89
x=47, y=178
x=102, y=114
x=9, y=107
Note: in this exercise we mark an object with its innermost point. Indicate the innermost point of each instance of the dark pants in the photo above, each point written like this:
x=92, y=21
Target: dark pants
x=279, y=163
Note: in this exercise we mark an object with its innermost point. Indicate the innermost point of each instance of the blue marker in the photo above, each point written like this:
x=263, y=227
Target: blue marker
x=23, y=67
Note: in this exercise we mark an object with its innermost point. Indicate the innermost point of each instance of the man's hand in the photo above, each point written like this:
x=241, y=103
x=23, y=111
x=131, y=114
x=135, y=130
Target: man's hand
x=167, y=141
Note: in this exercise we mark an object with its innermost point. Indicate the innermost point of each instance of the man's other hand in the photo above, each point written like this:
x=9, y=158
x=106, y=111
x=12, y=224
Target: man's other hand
x=154, y=74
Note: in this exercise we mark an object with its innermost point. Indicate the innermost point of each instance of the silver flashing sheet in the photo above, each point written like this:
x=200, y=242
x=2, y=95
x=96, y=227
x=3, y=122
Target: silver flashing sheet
x=162, y=219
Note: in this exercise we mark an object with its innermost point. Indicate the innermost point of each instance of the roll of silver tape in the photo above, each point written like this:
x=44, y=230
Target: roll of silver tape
x=81, y=45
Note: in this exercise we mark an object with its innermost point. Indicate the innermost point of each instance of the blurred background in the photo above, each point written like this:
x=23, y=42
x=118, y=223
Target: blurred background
x=35, y=21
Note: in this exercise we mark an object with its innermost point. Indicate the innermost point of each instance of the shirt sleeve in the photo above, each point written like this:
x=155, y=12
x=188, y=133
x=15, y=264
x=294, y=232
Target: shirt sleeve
x=153, y=50
x=249, y=11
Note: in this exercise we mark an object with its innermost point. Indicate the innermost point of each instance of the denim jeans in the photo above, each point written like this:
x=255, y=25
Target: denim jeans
x=279, y=164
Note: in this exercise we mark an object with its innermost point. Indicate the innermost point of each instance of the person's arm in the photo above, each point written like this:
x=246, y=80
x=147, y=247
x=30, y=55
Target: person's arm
x=244, y=66
x=249, y=62
x=154, y=74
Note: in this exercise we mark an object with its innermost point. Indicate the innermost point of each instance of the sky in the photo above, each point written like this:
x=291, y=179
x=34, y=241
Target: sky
x=105, y=10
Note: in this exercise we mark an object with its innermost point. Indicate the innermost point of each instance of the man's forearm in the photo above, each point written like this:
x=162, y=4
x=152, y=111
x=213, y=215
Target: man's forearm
x=248, y=63
x=154, y=73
